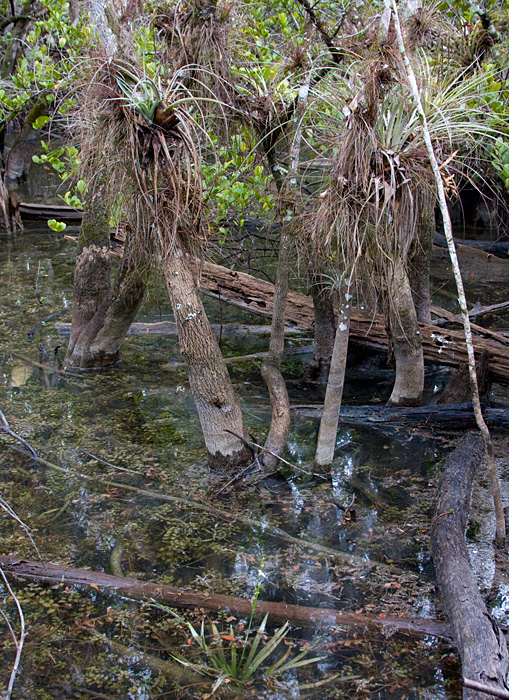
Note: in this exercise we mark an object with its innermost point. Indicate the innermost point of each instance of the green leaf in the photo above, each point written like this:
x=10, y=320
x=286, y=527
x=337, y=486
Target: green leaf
x=40, y=122
x=56, y=225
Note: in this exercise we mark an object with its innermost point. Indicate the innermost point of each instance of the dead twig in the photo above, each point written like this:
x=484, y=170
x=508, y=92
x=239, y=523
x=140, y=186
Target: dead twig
x=6, y=428
x=18, y=641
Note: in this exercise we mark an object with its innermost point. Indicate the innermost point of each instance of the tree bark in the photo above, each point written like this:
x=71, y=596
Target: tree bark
x=218, y=408
x=184, y=598
x=480, y=642
x=102, y=311
x=19, y=161
x=406, y=340
x=324, y=327
x=279, y=429
x=420, y=261
x=334, y=394
x=10, y=219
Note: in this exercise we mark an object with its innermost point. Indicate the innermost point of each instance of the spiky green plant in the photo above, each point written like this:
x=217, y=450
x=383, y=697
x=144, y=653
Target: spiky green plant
x=242, y=658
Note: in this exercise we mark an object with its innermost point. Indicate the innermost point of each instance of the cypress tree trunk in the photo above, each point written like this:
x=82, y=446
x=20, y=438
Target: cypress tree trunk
x=102, y=312
x=218, y=408
x=323, y=341
x=406, y=340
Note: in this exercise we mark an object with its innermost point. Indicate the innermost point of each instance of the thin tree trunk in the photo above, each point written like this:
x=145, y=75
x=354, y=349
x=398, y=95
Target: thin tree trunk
x=420, y=261
x=270, y=370
x=280, y=403
x=406, y=340
x=324, y=330
x=500, y=538
x=218, y=408
x=334, y=392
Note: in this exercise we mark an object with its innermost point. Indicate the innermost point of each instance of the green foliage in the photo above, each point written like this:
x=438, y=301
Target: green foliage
x=501, y=160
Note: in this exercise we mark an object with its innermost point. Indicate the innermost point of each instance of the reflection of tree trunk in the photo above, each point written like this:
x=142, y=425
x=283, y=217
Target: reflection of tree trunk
x=420, y=259
x=215, y=398
x=334, y=393
x=102, y=312
x=20, y=155
x=323, y=341
x=406, y=340
x=10, y=219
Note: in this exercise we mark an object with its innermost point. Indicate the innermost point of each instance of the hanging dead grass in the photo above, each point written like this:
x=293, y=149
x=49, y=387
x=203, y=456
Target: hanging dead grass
x=140, y=138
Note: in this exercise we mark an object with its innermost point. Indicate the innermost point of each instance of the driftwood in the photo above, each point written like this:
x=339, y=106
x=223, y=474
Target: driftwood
x=185, y=598
x=480, y=642
x=445, y=417
x=498, y=248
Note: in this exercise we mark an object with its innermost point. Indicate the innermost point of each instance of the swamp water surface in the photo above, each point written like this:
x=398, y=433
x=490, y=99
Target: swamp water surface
x=137, y=425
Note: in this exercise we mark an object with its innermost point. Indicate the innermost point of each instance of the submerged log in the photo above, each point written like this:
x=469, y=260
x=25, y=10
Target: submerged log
x=445, y=417
x=481, y=643
x=39, y=210
x=185, y=598
x=169, y=328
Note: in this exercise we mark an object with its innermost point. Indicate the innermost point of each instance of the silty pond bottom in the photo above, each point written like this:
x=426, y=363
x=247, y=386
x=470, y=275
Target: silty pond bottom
x=136, y=425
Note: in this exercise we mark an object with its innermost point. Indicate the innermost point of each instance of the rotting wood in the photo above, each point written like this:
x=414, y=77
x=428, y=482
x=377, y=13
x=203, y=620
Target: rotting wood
x=185, y=598
x=457, y=390
x=446, y=417
x=445, y=316
x=481, y=643
x=440, y=346
x=476, y=265
x=38, y=210
x=169, y=328
x=498, y=248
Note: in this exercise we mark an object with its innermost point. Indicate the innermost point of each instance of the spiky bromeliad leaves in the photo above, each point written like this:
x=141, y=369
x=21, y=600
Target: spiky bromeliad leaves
x=142, y=136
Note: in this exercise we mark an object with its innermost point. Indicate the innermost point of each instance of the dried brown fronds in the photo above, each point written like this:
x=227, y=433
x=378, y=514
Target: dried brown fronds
x=139, y=136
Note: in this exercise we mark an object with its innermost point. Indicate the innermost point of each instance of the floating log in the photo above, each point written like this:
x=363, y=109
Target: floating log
x=448, y=417
x=186, y=598
x=498, y=248
x=480, y=641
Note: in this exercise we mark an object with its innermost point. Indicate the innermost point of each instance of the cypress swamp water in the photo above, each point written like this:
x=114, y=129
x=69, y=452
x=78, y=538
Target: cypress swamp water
x=137, y=425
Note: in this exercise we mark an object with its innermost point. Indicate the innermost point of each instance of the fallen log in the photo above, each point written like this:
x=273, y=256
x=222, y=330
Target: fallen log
x=440, y=347
x=445, y=416
x=481, y=643
x=186, y=598
x=498, y=248
x=476, y=265
x=168, y=328
x=39, y=210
